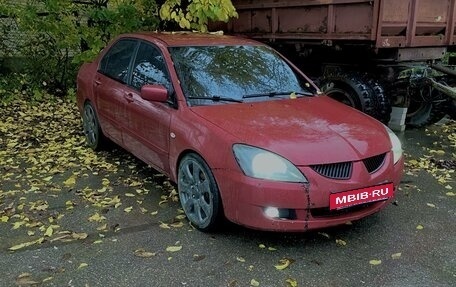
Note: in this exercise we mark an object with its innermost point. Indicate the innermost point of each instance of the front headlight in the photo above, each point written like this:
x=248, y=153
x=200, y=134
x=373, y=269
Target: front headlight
x=396, y=143
x=259, y=163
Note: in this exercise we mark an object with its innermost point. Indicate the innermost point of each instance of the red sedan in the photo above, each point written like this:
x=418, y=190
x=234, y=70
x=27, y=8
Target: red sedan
x=243, y=133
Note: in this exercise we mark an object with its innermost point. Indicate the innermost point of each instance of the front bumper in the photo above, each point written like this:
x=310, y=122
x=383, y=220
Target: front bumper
x=306, y=205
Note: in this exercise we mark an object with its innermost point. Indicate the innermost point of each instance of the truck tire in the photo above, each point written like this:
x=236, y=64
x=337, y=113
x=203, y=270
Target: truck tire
x=452, y=109
x=426, y=108
x=351, y=89
x=382, y=102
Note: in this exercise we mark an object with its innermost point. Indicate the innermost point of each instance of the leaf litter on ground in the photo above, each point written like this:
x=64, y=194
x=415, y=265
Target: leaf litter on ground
x=43, y=156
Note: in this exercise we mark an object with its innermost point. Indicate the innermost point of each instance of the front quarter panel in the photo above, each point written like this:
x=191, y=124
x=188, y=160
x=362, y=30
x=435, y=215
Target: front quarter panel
x=191, y=133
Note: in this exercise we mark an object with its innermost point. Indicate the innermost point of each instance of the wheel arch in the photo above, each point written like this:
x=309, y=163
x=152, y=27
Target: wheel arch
x=179, y=158
x=221, y=206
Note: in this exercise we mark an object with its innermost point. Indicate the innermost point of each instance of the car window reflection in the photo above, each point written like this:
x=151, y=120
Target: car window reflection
x=149, y=68
x=233, y=71
x=117, y=60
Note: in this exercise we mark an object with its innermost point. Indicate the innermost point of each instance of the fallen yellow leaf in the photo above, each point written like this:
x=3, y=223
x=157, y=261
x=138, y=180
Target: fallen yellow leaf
x=18, y=224
x=143, y=253
x=70, y=181
x=420, y=227
x=47, y=279
x=102, y=227
x=83, y=265
x=375, y=262
x=173, y=248
x=396, y=255
x=164, y=226
x=240, y=259
x=22, y=245
x=324, y=234
x=105, y=181
x=254, y=283
x=291, y=282
x=283, y=263
x=25, y=279
x=80, y=236
x=49, y=231
x=177, y=224
x=341, y=242
x=97, y=218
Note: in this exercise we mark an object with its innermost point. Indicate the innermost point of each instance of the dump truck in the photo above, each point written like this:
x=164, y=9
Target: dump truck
x=376, y=56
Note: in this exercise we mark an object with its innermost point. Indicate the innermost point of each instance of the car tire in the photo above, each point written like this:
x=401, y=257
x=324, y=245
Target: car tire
x=351, y=89
x=92, y=130
x=198, y=193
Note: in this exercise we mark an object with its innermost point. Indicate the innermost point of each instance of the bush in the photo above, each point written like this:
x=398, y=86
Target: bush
x=55, y=36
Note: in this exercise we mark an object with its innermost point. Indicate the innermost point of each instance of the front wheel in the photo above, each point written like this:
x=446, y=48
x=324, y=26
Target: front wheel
x=351, y=89
x=198, y=193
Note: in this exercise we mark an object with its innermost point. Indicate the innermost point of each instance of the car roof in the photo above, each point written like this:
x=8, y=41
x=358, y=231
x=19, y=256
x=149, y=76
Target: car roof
x=174, y=39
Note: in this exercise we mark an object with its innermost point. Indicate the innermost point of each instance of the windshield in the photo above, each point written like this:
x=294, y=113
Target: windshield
x=230, y=74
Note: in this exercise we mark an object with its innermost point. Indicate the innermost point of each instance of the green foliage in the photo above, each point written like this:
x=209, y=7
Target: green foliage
x=5, y=28
x=195, y=14
x=56, y=36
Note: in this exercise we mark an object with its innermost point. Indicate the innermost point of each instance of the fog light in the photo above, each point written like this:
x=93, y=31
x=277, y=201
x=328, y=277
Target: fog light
x=272, y=212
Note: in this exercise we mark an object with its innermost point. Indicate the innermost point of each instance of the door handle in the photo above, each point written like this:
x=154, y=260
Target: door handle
x=97, y=82
x=129, y=97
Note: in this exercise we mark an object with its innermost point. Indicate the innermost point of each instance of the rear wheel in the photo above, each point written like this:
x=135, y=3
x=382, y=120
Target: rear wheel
x=92, y=130
x=452, y=109
x=426, y=107
x=198, y=193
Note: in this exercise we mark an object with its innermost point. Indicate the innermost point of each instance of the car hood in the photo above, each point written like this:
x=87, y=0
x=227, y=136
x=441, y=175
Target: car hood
x=306, y=131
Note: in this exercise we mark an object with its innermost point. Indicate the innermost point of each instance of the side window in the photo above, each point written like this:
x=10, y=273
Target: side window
x=116, y=62
x=149, y=68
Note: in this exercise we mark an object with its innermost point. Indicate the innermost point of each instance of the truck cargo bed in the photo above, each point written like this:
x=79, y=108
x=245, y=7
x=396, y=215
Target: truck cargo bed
x=380, y=23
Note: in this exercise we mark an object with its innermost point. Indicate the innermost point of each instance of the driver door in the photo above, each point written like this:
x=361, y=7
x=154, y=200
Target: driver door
x=148, y=132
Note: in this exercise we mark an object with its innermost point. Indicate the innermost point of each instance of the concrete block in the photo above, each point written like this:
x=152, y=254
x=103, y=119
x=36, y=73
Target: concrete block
x=397, y=121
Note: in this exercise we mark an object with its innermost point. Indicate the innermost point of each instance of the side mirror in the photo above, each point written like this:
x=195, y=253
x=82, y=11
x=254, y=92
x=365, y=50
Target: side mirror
x=154, y=93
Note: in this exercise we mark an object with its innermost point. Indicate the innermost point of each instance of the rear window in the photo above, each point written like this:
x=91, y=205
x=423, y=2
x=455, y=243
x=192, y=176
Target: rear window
x=116, y=62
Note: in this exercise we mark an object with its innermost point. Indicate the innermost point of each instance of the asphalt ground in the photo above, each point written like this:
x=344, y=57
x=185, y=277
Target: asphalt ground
x=79, y=218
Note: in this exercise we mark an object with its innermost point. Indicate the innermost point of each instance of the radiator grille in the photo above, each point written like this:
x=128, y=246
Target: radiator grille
x=341, y=170
x=374, y=163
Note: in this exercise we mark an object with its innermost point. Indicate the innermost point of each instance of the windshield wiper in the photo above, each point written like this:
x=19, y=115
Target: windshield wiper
x=273, y=94
x=216, y=99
